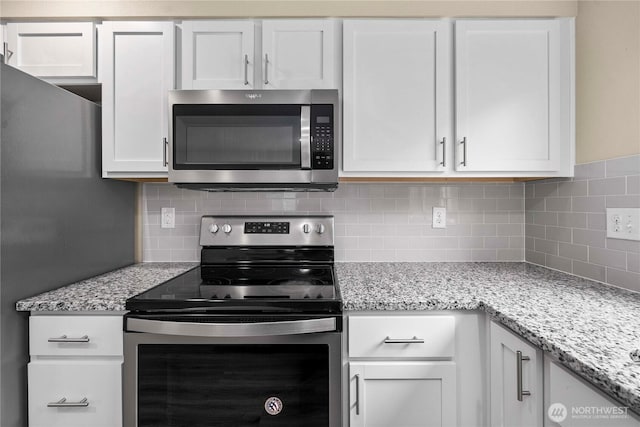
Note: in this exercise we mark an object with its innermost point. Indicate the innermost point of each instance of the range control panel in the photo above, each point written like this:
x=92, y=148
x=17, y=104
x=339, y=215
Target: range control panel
x=322, y=137
x=293, y=230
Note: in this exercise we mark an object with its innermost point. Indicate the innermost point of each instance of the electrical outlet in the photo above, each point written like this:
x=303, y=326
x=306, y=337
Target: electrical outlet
x=439, y=218
x=168, y=218
x=623, y=223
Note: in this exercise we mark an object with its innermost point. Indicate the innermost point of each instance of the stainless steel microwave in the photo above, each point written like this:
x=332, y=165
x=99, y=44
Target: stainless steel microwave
x=253, y=139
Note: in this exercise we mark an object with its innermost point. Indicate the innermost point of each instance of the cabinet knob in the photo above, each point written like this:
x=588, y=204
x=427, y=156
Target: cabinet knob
x=227, y=228
x=213, y=228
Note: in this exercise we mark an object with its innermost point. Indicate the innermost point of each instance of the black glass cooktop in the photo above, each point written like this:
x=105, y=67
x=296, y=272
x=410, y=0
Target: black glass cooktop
x=262, y=288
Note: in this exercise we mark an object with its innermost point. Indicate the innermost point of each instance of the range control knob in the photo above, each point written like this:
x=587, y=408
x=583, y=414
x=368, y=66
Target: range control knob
x=226, y=228
x=306, y=228
x=213, y=228
x=320, y=228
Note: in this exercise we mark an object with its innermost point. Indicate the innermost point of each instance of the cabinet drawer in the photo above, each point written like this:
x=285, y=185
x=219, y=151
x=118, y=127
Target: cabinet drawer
x=75, y=335
x=97, y=382
x=401, y=336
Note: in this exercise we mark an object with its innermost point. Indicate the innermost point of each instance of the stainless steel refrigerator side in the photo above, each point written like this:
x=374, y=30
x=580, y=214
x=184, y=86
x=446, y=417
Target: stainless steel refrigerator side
x=54, y=206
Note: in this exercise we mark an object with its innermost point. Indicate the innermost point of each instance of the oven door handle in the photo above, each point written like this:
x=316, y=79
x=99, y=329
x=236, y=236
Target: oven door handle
x=258, y=329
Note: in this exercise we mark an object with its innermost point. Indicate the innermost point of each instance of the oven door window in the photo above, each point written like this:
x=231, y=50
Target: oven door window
x=233, y=385
x=237, y=137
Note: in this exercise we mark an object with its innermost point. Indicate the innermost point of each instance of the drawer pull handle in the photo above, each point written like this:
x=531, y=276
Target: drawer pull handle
x=65, y=338
x=62, y=403
x=357, y=394
x=414, y=340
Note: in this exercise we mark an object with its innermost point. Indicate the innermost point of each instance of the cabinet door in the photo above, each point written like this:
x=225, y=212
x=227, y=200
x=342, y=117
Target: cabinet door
x=53, y=49
x=136, y=71
x=97, y=382
x=217, y=54
x=402, y=394
x=509, y=82
x=508, y=408
x=396, y=95
x=298, y=54
x=573, y=403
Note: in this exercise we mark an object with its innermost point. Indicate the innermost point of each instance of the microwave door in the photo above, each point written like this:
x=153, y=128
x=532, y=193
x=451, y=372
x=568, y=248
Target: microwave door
x=305, y=137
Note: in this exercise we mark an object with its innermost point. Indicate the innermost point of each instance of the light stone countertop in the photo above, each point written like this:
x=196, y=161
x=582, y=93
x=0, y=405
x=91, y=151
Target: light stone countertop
x=586, y=326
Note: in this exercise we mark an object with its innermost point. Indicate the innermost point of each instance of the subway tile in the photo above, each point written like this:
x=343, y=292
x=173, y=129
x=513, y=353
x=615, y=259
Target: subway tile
x=193, y=194
x=471, y=191
x=344, y=217
x=459, y=255
x=357, y=255
x=590, y=271
x=383, y=255
x=509, y=204
x=484, y=255
x=516, y=242
x=259, y=205
x=188, y=230
x=402, y=255
x=419, y=243
x=559, y=263
x=545, y=218
x=594, y=238
x=546, y=189
x=394, y=242
x=373, y=243
x=534, y=257
x=607, y=186
x=510, y=229
x=596, y=221
x=397, y=218
x=330, y=205
x=510, y=255
x=314, y=205
x=432, y=256
x=497, y=191
x=150, y=191
x=238, y=206
x=530, y=243
x=485, y=204
x=470, y=217
x=408, y=230
x=529, y=217
x=571, y=219
x=346, y=243
x=529, y=190
x=156, y=255
x=151, y=218
x=495, y=242
x=516, y=217
x=371, y=218
x=558, y=204
x=208, y=205
x=633, y=262
x=593, y=170
x=624, y=279
x=170, y=242
x=496, y=217
x=459, y=230
x=169, y=191
x=483, y=230
x=346, y=191
x=538, y=231
x=546, y=246
x=573, y=188
x=632, y=201
x=383, y=205
x=633, y=184
x=623, y=245
x=150, y=243
x=357, y=230
x=577, y=252
x=608, y=258
x=588, y=204
x=156, y=205
x=559, y=234
x=516, y=191
x=471, y=243
x=623, y=166
x=534, y=204
x=396, y=191
x=371, y=191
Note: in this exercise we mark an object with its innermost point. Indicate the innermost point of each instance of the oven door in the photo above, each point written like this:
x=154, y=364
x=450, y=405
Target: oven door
x=241, y=379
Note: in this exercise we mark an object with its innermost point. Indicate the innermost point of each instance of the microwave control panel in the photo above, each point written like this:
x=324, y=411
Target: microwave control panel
x=322, y=140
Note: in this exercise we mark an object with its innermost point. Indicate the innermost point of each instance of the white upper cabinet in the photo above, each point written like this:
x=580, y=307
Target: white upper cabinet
x=298, y=54
x=514, y=95
x=136, y=72
x=397, y=91
x=217, y=54
x=53, y=49
x=289, y=54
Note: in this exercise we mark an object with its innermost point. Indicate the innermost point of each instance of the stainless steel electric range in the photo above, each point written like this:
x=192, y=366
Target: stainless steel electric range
x=251, y=337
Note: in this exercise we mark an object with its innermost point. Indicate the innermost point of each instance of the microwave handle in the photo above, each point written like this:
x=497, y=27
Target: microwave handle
x=305, y=137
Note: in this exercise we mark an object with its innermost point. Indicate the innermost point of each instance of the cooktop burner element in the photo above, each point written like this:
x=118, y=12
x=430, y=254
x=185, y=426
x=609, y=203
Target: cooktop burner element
x=254, y=264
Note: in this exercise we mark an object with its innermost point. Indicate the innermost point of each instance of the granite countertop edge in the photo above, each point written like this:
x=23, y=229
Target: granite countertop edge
x=89, y=295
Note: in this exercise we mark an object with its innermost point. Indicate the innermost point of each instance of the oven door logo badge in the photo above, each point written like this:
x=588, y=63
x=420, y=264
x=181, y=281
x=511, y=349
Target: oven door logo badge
x=253, y=95
x=273, y=406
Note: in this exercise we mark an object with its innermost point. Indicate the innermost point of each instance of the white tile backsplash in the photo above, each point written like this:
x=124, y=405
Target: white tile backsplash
x=374, y=222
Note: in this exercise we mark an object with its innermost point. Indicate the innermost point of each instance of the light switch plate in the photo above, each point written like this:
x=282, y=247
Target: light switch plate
x=623, y=223
x=439, y=218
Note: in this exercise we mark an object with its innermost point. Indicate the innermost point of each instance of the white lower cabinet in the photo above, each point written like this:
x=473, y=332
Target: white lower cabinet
x=515, y=380
x=402, y=371
x=571, y=402
x=75, y=393
x=402, y=394
x=75, y=370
